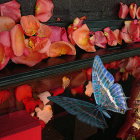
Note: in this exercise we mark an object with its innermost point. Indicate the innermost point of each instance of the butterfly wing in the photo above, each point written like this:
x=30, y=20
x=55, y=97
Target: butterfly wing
x=84, y=111
x=108, y=95
x=101, y=79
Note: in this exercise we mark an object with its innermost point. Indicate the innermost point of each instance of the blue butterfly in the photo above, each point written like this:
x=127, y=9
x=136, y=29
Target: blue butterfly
x=108, y=96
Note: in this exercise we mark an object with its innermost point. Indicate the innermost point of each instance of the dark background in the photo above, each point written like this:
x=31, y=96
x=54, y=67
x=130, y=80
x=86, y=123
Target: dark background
x=67, y=10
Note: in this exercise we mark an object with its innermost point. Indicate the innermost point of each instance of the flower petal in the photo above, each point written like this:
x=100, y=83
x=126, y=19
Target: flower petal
x=132, y=10
x=61, y=48
x=81, y=38
x=44, y=31
x=123, y=10
x=44, y=10
x=100, y=39
x=111, y=39
x=11, y=9
x=32, y=59
x=40, y=44
x=29, y=24
x=17, y=40
x=6, y=23
x=117, y=34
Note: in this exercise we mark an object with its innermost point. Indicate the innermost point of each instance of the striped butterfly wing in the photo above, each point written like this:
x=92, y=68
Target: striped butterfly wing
x=108, y=95
x=84, y=111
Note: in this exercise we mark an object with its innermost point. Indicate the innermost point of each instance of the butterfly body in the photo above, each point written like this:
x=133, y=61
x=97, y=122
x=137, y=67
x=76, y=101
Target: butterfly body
x=108, y=96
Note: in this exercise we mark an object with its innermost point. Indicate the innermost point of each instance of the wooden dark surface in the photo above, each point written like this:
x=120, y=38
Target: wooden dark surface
x=67, y=10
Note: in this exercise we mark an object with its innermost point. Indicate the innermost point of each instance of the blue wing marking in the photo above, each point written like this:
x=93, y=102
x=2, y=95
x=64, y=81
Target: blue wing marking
x=119, y=97
x=102, y=73
x=84, y=111
x=108, y=95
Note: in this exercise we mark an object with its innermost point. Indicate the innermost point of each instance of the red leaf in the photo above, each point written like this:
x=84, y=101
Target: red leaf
x=100, y=39
x=79, y=89
x=30, y=104
x=123, y=10
x=61, y=48
x=138, y=13
x=29, y=24
x=17, y=40
x=22, y=92
x=111, y=39
x=11, y=9
x=44, y=31
x=44, y=10
x=57, y=91
x=81, y=38
x=6, y=23
x=132, y=10
x=4, y=95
